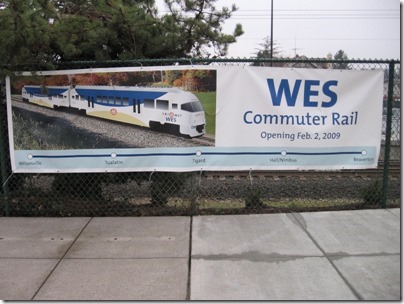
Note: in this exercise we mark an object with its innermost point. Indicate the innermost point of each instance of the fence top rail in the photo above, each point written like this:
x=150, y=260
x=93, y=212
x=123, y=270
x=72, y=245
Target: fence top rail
x=234, y=60
x=188, y=61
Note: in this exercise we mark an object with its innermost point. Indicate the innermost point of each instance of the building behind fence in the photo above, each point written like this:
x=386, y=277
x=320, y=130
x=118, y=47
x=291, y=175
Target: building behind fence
x=195, y=193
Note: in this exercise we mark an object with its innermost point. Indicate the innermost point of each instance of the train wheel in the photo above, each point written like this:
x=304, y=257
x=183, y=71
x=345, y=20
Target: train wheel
x=172, y=129
x=155, y=126
x=165, y=128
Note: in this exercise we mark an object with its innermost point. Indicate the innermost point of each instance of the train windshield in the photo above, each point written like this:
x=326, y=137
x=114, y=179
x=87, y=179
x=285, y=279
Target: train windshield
x=194, y=106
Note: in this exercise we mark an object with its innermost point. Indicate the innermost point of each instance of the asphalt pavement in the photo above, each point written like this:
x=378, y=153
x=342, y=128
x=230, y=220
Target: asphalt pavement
x=338, y=255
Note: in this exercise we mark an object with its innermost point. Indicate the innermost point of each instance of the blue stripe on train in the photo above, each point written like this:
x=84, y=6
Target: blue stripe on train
x=47, y=92
x=137, y=95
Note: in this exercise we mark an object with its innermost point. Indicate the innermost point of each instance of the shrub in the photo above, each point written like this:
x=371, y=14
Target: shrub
x=164, y=185
x=253, y=198
x=372, y=194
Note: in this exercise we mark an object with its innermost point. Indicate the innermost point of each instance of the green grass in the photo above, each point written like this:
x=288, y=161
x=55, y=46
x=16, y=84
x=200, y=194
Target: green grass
x=39, y=135
x=305, y=203
x=208, y=100
x=31, y=135
x=221, y=204
x=238, y=203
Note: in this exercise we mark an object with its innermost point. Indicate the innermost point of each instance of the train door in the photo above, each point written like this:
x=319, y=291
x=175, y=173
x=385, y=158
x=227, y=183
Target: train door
x=90, y=101
x=136, y=106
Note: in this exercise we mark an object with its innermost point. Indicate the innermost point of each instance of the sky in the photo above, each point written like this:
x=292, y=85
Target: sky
x=363, y=29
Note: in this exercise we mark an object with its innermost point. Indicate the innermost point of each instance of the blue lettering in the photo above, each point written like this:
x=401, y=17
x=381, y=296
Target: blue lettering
x=308, y=92
x=245, y=117
x=333, y=96
x=290, y=94
x=284, y=89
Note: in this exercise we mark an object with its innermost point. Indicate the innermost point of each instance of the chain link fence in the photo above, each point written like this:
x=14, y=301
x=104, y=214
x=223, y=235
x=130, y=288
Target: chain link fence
x=196, y=193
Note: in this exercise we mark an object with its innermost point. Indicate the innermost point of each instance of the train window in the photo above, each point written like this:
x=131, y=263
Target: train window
x=175, y=106
x=162, y=104
x=149, y=103
x=77, y=97
x=117, y=100
x=194, y=106
x=187, y=107
x=125, y=101
x=99, y=99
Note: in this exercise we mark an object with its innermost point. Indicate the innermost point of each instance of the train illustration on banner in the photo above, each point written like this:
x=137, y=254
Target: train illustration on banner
x=169, y=110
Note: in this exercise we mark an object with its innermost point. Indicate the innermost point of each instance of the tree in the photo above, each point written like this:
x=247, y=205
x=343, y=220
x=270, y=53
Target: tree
x=42, y=32
x=25, y=33
x=341, y=56
x=264, y=52
x=104, y=30
x=195, y=27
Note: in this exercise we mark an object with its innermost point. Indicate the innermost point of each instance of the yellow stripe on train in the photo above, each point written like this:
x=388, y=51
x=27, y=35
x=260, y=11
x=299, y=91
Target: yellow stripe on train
x=117, y=117
x=42, y=103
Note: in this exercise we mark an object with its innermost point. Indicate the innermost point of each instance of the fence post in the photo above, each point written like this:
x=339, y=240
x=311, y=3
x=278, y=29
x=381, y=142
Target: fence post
x=387, y=144
x=193, y=193
x=3, y=151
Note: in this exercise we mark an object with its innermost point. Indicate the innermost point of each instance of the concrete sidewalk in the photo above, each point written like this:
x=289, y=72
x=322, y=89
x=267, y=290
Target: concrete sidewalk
x=339, y=255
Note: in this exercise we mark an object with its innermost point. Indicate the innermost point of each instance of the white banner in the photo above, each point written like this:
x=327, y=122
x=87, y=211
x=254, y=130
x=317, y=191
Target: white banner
x=211, y=118
x=318, y=119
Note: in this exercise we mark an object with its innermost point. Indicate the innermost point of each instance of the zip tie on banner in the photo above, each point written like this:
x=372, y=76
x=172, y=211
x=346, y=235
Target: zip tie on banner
x=200, y=177
x=7, y=179
x=151, y=175
x=141, y=65
x=250, y=176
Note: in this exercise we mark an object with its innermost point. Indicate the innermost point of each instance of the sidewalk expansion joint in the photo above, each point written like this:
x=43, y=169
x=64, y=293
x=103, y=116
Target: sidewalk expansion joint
x=300, y=220
x=57, y=264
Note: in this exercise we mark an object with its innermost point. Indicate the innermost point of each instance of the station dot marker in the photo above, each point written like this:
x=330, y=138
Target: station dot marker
x=283, y=153
x=30, y=156
x=364, y=152
x=113, y=154
x=198, y=153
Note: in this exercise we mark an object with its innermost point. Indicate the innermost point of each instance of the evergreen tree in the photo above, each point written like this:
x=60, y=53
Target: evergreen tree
x=25, y=32
x=264, y=52
x=195, y=27
x=41, y=32
x=341, y=55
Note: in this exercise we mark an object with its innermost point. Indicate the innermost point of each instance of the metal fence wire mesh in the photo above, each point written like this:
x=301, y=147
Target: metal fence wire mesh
x=195, y=193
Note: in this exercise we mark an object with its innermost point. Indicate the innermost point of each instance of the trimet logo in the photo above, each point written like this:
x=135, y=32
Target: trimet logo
x=171, y=117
